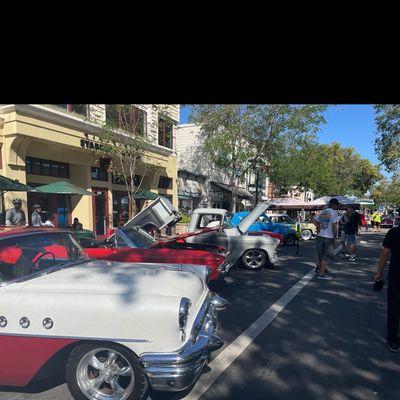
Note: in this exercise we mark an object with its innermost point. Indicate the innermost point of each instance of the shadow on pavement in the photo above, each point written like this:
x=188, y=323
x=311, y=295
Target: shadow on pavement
x=328, y=343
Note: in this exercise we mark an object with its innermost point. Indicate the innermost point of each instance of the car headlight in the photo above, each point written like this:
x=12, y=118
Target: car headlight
x=184, y=307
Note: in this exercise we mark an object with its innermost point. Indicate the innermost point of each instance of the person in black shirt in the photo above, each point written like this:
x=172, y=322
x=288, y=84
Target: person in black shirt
x=391, y=247
x=351, y=221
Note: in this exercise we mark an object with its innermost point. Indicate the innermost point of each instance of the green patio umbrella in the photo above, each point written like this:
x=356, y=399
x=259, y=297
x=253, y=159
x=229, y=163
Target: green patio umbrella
x=63, y=187
x=7, y=184
x=146, y=195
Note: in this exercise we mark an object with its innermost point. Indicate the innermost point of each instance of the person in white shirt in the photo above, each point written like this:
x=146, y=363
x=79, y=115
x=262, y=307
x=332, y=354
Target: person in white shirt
x=36, y=217
x=327, y=231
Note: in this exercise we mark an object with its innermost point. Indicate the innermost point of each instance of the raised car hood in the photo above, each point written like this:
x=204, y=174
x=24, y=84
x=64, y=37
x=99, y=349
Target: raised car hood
x=140, y=279
x=159, y=213
x=245, y=223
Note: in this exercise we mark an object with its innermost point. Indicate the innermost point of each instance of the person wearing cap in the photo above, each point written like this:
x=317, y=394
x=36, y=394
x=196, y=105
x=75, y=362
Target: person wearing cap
x=391, y=248
x=36, y=217
x=16, y=216
x=327, y=232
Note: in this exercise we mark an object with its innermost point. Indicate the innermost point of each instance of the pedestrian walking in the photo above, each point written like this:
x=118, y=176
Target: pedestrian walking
x=367, y=223
x=36, y=217
x=378, y=220
x=351, y=221
x=391, y=248
x=16, y=216
x=327, y=231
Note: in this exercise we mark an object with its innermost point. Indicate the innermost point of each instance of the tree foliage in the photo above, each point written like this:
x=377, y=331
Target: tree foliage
x=325, y=169
x=387, y=141
x=125, y=138
x=237, y=138
x=387, y=192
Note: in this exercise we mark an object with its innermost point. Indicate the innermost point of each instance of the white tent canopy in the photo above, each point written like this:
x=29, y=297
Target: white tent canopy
x=324, y=200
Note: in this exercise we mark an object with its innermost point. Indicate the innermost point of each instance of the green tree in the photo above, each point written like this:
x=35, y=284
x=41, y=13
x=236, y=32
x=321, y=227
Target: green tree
x=387, y=141
x=324, y=168
x=234, y=138
x=125, y=138
x=387, y=192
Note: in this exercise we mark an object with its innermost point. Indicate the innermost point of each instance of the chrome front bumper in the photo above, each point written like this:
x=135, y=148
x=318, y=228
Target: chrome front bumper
x=179, y=370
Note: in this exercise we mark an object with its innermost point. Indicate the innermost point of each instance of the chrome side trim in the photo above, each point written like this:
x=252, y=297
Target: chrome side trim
x=75, y=337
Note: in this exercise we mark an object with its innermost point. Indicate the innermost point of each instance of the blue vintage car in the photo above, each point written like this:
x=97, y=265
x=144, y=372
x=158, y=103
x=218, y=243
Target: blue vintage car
x=264, y=223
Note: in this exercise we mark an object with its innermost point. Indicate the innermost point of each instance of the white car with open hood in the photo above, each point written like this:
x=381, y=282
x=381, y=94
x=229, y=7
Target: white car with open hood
x=254, y=251
x=113, y=327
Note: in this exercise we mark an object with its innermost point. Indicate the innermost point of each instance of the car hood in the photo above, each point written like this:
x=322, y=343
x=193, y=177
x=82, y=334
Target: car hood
x=117, y=278
x=159, y=213
x=246, y=222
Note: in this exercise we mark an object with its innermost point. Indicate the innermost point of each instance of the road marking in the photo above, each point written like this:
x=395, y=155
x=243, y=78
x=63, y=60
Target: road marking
x=229, y=355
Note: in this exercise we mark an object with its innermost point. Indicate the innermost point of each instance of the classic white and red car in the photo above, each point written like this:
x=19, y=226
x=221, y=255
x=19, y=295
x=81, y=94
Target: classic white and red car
x=113, y=328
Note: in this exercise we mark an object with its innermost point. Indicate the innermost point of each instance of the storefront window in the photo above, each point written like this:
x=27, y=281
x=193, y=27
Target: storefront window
x=120, y=208
x=99, y=174
x=37, y=166
x=46, y=168
x=165, y=183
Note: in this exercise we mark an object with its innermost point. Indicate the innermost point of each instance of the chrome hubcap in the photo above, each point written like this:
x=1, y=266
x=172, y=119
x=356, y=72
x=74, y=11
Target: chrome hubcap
x=105, y=374
x=254, y=258
x=306, y=235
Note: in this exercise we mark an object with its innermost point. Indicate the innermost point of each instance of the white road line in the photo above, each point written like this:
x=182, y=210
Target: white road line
x=228, y=356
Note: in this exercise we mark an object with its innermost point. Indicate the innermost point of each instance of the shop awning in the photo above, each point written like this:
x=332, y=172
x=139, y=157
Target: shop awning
x=7, y=185
x=243, y=193
x=146, y=195
x=63, y=187
x=288, y=203
x=188, y=187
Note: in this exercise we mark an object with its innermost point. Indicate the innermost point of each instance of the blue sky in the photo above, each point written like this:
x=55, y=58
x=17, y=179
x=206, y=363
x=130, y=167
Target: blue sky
x=351, y=125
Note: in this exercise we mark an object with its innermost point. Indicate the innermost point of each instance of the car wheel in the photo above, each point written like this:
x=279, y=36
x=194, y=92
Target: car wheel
x=104, y=371
x=306, y=234
x=290, y=240
x=254, y=259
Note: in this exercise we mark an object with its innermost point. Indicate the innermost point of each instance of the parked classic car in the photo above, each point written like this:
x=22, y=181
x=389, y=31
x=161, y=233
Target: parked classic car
x=307, y=229
x=113, y=328
x=254, y=251
x=133, y=244
x=263, y=223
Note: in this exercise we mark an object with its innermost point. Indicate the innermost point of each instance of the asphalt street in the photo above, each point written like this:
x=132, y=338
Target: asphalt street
x=326, y=341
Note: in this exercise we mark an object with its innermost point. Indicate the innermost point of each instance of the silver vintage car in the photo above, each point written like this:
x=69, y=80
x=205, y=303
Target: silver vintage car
x=254, y=251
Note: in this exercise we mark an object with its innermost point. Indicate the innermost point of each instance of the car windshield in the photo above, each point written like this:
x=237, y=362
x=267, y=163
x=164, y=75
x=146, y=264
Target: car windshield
x=31, y=255
x=139, y=237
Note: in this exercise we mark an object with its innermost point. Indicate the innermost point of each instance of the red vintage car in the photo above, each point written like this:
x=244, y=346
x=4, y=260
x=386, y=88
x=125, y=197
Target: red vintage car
x=133, y=244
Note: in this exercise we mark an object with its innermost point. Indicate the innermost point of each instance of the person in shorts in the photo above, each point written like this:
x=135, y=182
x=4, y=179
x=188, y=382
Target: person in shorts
x=351, y=221
x=327, y=231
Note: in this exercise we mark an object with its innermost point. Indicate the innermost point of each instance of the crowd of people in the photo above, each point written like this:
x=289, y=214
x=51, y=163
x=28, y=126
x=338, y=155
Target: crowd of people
x=15, y=216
